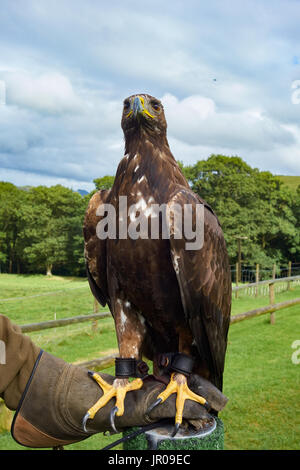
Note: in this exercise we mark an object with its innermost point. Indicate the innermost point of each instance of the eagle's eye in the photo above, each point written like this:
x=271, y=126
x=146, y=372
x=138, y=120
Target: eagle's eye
x=155, y=105
x=126, y=105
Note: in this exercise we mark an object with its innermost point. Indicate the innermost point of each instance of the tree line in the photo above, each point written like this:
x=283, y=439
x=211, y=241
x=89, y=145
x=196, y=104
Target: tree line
x=41, y=227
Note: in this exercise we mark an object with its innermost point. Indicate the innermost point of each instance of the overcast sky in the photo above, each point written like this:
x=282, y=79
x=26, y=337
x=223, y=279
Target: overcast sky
x=224, y=71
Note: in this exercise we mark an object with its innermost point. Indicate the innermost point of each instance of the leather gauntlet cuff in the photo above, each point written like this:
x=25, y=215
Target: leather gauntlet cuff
x=129, y=367
x=177, y=362
x=39, y=420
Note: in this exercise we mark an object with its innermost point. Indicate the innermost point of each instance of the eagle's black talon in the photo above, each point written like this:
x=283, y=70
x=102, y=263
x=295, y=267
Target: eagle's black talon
x=151, y=407
x=84, y=421
x=112, y=415
x=176, y=429
x=207, y=406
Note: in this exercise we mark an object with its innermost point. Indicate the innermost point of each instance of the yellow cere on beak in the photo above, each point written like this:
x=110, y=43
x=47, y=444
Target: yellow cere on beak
x=145, y=111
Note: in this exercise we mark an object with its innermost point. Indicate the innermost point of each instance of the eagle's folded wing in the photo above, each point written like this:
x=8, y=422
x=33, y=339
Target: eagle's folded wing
x=95, y=249
x=204, y=280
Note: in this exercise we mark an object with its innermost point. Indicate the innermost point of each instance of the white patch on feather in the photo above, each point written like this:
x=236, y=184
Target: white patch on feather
x=175, y=259
x=134, y=351
x=123, y=321
x=141, y=318
x=141, y=179
x=136, y=168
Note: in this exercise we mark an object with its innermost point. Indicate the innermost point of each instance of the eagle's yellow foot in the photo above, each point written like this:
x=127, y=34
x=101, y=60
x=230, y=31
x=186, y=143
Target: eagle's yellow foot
x=178, y=384
x=118, y=389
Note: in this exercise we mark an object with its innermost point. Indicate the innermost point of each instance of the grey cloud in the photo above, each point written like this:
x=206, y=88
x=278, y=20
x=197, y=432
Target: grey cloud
x=197, y=121
x=68, y=66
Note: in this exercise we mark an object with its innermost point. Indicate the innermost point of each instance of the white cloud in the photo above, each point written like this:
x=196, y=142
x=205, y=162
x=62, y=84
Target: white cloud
x=191, y=108
x=197, y=121
x=77, y=146
x=224, y=72
x=50, y=92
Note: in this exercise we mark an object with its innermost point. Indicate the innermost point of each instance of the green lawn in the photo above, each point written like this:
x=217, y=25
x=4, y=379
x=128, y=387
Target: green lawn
x=291, y=181
x=262, y=383
x=36, y=298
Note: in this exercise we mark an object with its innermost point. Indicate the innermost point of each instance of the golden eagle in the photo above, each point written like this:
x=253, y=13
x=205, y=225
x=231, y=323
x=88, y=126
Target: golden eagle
x=170, y=304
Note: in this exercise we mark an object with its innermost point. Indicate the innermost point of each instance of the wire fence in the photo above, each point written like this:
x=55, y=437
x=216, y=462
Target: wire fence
x=54, y=292
x=268, y=284
x=249, y=272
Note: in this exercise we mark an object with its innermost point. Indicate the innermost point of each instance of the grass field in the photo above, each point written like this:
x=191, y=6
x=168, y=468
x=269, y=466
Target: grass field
x=291, y=181
x=260, y=379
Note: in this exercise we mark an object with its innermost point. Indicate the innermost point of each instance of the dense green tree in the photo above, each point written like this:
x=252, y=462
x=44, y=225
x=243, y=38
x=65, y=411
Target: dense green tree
x=249, y=203
x=41, y=229
x=105, y=182
x=58, y=242
x=10, y=223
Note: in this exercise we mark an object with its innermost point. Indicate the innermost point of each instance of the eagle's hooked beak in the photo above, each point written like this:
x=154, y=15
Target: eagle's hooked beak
x=138, y=107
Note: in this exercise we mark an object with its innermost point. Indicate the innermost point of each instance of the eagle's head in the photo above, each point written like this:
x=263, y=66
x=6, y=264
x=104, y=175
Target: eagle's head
x=143, y=112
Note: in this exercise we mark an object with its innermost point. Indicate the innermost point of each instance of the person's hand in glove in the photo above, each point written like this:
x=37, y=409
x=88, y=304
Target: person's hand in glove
x=51, y=396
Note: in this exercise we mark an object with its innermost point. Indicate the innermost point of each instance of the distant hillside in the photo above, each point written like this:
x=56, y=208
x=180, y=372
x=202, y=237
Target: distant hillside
x=291, y=181
x=82, y=192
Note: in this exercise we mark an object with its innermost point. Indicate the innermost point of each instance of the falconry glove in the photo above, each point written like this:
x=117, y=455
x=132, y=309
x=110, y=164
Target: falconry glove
x=50, y=396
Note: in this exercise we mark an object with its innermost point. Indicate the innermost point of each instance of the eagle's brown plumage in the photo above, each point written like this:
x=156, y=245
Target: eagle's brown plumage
x=163, y=297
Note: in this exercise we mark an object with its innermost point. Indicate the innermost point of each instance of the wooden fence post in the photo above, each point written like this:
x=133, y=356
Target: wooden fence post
x=272, y=301
x=289, y=274
x=236, y=278
x=256, y=279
